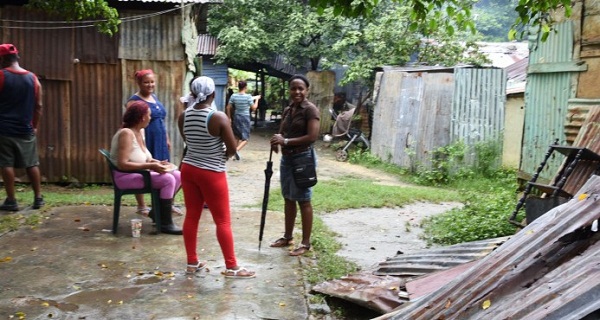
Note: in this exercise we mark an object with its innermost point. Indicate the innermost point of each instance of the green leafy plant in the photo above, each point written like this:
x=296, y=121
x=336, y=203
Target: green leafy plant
x=487, y=205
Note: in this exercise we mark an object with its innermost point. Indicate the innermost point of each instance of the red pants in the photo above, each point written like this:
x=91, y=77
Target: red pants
x=200, y=186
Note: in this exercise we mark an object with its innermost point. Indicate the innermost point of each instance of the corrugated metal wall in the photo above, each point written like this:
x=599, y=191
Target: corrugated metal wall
x=85, y=84
x=94, y=116
x=155, y=43
x=217, y=72
x=153, y=38
x=170, y=79
x=478, y=106
x=546, y=101
x=411, y=116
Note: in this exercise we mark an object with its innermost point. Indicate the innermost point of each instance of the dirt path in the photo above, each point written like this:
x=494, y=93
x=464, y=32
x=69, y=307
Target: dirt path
x=389, y=230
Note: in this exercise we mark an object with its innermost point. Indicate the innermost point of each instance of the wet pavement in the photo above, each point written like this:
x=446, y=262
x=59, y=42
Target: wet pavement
x=72, y=267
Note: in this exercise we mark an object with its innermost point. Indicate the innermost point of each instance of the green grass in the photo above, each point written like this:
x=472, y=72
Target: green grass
x=350, y=193
x=56, y=196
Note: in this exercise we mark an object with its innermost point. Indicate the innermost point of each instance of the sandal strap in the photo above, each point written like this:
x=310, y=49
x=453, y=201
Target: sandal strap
x=199, y=266
x=235, y=272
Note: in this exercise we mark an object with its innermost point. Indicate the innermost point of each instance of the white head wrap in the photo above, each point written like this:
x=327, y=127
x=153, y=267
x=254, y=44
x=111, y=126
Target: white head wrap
x=202, y=87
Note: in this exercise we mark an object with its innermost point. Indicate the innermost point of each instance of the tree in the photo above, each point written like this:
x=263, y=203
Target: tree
x=254, y=31
x=387, y=38
x=301, y=34
x=107, y=18
x=534, y=13
x=494, y=18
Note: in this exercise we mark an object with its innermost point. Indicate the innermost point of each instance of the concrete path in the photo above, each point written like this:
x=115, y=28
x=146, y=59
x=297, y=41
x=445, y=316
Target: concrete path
x=72, y=267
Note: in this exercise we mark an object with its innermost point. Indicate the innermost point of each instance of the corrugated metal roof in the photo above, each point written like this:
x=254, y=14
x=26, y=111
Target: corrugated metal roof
x=548, y=270
x=503, y=54
x=516, y=76
x=207, y=45
x=276, y=66
x=432, y=260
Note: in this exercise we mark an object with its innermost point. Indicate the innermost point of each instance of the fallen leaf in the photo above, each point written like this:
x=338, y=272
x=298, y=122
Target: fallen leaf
x=393, y=288
x=163, y=290
x=121, y=302
x=486, y=304
x=530, y=231
x=6, y=259
x=282, y=304
x=582, y=196
x=45, y=304
x=448, y=304
x=109, y=301
x=33, y=249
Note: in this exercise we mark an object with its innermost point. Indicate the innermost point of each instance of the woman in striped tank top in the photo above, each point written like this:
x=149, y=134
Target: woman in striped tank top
x=210, y=142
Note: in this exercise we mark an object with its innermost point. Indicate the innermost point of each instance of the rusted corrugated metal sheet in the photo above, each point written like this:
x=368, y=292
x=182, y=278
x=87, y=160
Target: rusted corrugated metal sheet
x=169, y=88
x=207, y=45
x=45, y=50
x=432, y=260
x=588, y=137
x=54, y=130
x=151, y=37
x=478, y=106
x=411, y=116
x=546, y=99
x=576, y=114
x=417, y=112
x=548, y=270
x=85, y=84
x=94, y=128
x=387, y=287
x=95, y=47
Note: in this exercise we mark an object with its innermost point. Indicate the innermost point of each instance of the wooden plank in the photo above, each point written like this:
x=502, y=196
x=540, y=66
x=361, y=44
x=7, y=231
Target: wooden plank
x=568, y=66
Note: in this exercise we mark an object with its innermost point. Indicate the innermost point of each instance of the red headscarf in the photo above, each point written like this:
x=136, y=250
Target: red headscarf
x=139, y=75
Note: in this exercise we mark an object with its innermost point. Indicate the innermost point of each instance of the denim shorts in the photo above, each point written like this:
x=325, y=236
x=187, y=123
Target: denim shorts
x=288, y=186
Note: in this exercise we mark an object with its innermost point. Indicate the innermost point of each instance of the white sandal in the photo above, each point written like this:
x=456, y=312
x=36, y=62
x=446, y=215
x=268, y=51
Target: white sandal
x=234, y=273
x=193, y=268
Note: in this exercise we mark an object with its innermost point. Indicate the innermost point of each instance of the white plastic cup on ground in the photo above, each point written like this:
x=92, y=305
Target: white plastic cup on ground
x=136, y=228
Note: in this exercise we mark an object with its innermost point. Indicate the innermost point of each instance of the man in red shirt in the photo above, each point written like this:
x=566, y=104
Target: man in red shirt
x=20, y=112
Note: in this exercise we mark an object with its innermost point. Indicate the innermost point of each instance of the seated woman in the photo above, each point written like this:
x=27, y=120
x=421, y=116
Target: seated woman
x=128, y=152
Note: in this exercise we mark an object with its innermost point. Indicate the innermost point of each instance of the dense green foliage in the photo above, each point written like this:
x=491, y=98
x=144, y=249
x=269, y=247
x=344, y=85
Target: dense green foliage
x=107, y=18
x=536, y=13
x=321, y=39
x=484, y=214
x=494, y=18
x=489, y=193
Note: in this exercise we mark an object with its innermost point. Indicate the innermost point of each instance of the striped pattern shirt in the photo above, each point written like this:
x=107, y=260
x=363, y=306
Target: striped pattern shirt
x=241, y=103
x=203, y=150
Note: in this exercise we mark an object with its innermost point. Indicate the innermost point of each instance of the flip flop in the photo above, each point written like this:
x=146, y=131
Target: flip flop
x=176, y=211
x=282, y=242
x=302, y=249
x=145, y=212
x=193, y=268
x=235, y=273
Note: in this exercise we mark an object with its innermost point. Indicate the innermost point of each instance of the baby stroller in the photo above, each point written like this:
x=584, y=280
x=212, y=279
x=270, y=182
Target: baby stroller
x=342, y=128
